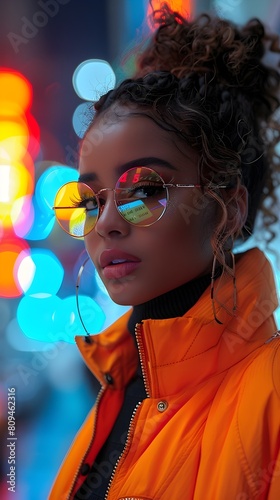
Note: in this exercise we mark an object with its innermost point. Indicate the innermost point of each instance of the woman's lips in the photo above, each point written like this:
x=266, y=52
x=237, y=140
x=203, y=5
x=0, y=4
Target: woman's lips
x=117, y=264
x=117, y=271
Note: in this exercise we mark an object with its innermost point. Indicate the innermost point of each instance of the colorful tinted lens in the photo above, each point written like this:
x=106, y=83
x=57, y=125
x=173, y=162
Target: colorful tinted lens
x=76, y=208
x=140, y=196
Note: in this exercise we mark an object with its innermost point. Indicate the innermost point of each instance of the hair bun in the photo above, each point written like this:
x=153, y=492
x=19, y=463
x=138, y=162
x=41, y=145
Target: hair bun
x=216, y=50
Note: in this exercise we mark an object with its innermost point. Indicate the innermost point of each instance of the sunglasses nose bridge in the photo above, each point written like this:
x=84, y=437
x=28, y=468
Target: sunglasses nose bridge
x=102, y=205
x=104, y=189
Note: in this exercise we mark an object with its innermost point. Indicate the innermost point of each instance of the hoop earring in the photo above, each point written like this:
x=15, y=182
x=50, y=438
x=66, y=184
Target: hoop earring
x=213, y=292
x=87, y=337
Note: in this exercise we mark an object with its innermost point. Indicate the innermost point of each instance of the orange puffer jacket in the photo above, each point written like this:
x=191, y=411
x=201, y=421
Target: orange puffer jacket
x=210, y=426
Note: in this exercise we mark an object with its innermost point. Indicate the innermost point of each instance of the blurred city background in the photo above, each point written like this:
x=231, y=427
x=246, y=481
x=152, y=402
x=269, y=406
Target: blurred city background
x=56, y=56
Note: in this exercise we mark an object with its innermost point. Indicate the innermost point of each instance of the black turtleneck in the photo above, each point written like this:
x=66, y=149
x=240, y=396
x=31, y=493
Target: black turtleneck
x=169, y=305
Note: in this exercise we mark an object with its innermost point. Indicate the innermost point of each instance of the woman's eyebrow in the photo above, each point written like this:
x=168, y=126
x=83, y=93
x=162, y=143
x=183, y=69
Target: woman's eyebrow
x=145, y=162
x=87, y=177
x=139, y=162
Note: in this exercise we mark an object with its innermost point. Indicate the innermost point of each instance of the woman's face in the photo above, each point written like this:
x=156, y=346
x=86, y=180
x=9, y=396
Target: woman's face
x=137, y=264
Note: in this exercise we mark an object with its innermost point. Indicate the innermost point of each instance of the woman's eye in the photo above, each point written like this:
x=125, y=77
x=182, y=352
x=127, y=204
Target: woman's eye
x=146, y=191
x=87, y=203
x=90, y=204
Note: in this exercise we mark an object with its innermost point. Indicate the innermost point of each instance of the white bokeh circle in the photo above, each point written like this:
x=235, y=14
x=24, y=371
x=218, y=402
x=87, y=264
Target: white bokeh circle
x=93, y=78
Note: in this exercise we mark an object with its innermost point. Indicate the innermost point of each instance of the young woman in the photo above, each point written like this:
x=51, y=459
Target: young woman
x=174, y=168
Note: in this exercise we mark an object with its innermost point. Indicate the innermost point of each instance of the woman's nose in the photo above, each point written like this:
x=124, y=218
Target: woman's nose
x=110, y=221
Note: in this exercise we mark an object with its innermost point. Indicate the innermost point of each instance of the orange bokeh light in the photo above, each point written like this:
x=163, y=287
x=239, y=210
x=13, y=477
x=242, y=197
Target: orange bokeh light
x=15, y=93
x=10, y=252
x=19, y=145
x=181, y=6
x=14, y=138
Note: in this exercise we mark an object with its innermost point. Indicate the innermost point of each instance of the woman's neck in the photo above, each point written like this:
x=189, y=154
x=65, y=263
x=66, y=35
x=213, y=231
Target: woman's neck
x=171, y=304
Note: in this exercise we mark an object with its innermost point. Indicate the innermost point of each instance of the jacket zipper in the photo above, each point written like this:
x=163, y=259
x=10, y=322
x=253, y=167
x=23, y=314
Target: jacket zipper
x=123, y=453
x=140, y=345
x=130, y=427
x=274, y=336
x=97, y=401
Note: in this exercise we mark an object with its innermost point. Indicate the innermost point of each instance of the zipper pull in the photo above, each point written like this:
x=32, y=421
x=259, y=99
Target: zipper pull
x=274, y=336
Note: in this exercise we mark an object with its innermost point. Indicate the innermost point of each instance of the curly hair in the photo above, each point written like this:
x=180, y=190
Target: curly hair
x=205, y=80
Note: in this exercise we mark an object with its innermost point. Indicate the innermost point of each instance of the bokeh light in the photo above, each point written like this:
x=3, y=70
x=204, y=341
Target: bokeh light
x=22, y=215
x=92, y=78
x=15, y=182
x=15, y=93
x=49, y=183
x=12, y=251
x=47, y=318
x=41, y=209
x=35, y=316
x=17, y=152
x=81, y=118
x=42, y=224
x=183, y=7
x=34, y=135
x=14, y=138
x=40, y=272
x=67, y=321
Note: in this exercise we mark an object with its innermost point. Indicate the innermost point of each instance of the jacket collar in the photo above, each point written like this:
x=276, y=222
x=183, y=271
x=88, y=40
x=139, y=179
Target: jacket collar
x=183, y=352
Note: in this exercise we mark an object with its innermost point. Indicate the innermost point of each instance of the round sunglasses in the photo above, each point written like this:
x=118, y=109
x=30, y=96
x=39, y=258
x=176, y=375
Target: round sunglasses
x=140, y=195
